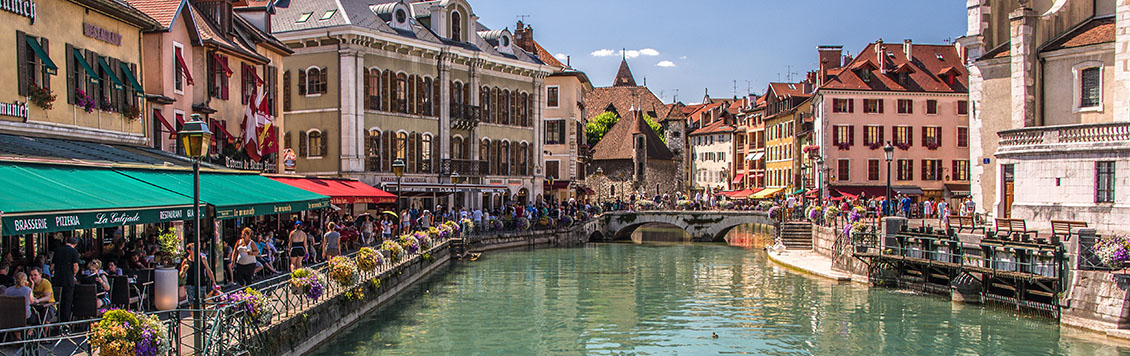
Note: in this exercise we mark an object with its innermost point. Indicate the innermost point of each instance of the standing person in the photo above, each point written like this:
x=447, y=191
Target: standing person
x=969, y=207
x=928, y=208
x=905, y=202
x=296, y=244
x=187, y=271
x=367, y=230
x=244, y=258
x=405, y=222
x=65, y=265
x=331, y=242
x=943, y=214
x=386, y=228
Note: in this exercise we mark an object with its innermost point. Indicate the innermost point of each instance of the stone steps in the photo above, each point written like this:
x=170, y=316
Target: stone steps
x=797, y=236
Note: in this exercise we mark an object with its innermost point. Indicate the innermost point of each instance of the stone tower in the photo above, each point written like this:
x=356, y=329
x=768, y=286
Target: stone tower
x=675, y=132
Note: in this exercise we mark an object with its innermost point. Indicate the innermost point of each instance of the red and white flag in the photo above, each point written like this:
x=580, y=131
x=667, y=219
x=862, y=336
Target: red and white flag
x=267, y=138
x=250, y=128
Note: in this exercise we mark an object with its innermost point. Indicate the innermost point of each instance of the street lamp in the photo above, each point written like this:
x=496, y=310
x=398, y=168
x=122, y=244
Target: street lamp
x=549, y=180
x=196, y=138
x=817, y=172
x=889, y=152
x=398, y=169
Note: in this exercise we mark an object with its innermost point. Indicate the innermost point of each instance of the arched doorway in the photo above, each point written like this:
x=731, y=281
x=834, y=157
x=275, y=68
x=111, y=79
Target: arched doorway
x=523, y=196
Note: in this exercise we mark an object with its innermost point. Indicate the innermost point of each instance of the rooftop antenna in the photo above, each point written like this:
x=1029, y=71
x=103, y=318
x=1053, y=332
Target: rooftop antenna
x=568, y=62
x=789, y=73
x=522, y=17
x=675, y=98
x=735, y=91
x=748, y=88
x=624, y=54
x=645, y=81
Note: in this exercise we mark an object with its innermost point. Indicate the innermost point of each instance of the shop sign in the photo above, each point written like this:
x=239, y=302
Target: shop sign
x=264, y=166
x=495, y=182
x=101, y=34
x=74, y=221
x=25, y=8
x=268, y=209
x=290, y=160
x=14, y=109
x=392, y=179
x=514, y=182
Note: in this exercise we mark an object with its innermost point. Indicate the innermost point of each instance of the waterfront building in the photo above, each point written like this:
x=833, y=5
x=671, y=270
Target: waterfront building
x=674, y=126
x=712, y=146
x=787, y=105
x=751, y=164
x=74, y=67
x=212, y=58
x=1050, y=101
x=566, y=152
x=421, y=81
x=631, y=159
x=912, y=95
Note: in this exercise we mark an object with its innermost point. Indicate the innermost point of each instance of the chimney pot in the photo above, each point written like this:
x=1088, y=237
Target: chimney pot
x=908, y=47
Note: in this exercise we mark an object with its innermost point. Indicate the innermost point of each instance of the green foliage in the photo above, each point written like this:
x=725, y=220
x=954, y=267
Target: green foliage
x=599, y=126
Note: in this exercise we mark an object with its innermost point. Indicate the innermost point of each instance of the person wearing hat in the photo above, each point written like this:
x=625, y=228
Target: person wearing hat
x=298, y=246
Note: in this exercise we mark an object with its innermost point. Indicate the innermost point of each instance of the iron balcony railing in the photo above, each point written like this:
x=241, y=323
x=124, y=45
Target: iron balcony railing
x=468, y=167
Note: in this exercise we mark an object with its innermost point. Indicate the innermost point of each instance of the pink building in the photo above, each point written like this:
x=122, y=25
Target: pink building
x=911, y=95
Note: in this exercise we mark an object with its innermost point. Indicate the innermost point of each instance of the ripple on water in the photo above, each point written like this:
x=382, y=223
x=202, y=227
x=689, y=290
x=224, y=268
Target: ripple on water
x=645, y=300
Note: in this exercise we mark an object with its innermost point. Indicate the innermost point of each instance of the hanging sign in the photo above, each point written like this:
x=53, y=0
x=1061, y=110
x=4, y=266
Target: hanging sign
x=25, y=8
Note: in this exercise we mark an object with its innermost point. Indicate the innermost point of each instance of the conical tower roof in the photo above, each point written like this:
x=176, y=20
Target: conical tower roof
x=624, y=76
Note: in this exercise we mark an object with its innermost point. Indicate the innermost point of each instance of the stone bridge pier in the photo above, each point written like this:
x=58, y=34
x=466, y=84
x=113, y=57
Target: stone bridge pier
x=701, y=225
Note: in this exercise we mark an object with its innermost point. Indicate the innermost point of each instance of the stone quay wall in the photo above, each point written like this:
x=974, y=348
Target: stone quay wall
x=305, y=332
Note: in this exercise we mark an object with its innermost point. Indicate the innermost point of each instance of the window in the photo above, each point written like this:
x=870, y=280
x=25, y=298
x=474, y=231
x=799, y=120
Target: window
x=329, y=14
x=844, y=173
x=903, y=136
x=843, y=105
x=639, y=143
x=220, y=75
x=248, y=83
x=905, y=169
x=312, y=81
x=872, y=169
x=425, y=160
x=962, y=137
x=400, y=146
x=962, y=107
x=554, y=132
x=456, y=27
x=1104, y=182
x=373, y=89
x=1090, y=87
x=843, y=136
x=552, y=96
x=304, y=17
x=873, y=106
x=873, y=136
x=960, y=169
x=314, y=142
x=286, y=91
x=400, y=103
x=552, y=169
x=905, y=106
x=931, y=169
x=178, y=69
x=932, y=136
x=400, y=16
x=931, y=107
x=35, y=71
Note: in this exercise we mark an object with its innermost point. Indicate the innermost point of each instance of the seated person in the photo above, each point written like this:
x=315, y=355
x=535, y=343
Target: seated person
x=112, y=268
x=5, y=279
x=93, y=274
x=21, y=290
x=40, y=287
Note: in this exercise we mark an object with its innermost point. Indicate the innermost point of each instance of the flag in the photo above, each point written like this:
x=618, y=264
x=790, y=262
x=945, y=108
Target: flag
x=250, y=130
x=267, y=136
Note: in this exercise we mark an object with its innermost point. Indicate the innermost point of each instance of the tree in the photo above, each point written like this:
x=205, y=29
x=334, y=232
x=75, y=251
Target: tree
x=599, y=126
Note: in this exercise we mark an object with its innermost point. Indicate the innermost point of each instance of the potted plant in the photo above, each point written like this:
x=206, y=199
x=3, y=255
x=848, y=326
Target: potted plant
x=903, y=145
x=307, y=282
x=932, y=145
x=132, y=112
x=84, y=101
x=125, y=333
x=41, y=97
x=844, y=146
x=875, y=145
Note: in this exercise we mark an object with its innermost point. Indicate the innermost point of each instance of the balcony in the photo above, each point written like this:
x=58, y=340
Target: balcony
x=584, y=153
x=1105, y=135
x=464, y=117
x=467, y=167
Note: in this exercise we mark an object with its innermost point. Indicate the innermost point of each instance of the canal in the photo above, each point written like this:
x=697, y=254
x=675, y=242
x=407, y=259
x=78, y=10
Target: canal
x=669, y=298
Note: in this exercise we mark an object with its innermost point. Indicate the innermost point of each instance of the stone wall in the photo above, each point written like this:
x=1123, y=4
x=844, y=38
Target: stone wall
x=823, y=240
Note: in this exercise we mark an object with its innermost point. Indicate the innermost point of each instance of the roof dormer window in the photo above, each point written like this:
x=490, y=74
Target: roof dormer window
x=456, y=27
x=505, y=41
x=328, y=14
x=305, y=16
x=401, y=16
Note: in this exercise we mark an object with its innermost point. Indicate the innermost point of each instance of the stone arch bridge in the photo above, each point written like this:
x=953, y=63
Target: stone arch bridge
x=701, y=225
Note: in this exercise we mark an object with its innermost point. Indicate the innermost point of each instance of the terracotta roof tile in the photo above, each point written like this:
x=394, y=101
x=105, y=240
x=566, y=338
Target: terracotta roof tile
x=928, y=60
x=546, y=57
x=624, y=76
x=713, y=127
x=1002, y=51
x=621, y=99
x=164, y=11
x=1094, y=31
x=617, y=144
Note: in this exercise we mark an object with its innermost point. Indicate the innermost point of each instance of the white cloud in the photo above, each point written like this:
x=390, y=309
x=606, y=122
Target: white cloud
x=666, y=64
x=631, y=53
x=560, y=56
x=683, y=57
x=603, y=52
x=649, y=52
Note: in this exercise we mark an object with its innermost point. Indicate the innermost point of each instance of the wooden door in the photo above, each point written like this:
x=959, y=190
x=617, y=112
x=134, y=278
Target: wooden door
x=1008, y=179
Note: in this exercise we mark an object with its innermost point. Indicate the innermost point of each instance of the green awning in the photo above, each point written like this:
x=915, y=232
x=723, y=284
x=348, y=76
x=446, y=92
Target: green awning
x=110, y=72
x=138, y=91
x=236, y=195
x=41, y=198
x=49, y=66
x=90, y=73
x=798, y=191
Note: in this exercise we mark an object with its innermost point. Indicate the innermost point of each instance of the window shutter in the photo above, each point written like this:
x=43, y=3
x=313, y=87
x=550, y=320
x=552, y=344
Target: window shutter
x=411, y=152
x=882, y=130
x=21, y=64
x=851, y=105
x=303, y=143
x=46, y=50
x=924, y=171
x=325, y=143
x=386, y=89
x=368, y=89
x=879, y=102
x=301, y=82
x=851, y=135
x=909, y=136
x=211, y=70
x=435, y=97
x=924, y=136
x=386, y=151
x=286, y=140
x=224, y=81
x=243, y=75
x=94, y=89
x=286, y=90
x=368, y=145
x=273, y=89
x=71, y=74
x=325, y=76
x=938, y=132
x=419, y=153
x=467, y=93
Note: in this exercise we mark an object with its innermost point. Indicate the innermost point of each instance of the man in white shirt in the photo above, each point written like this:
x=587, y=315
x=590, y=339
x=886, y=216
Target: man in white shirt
x=927, y=208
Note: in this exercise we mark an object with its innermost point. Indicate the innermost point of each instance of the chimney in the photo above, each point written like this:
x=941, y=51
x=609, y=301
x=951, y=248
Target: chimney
x=879, y=56
x=524, y=37
x=907, y=48
x=847, y=59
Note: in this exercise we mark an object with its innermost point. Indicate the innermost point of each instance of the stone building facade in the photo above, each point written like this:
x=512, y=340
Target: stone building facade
x=1048, y=85
x=422, y=81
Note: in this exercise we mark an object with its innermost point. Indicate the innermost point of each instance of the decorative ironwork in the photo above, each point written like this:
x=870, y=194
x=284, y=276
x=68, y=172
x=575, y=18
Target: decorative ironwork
x=464, y=117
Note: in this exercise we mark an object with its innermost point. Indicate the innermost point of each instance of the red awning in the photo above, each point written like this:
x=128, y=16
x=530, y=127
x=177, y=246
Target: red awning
x=341, y=191
x=254, y=73
x=738, y=178
x=730, y=193
x=222, y=60
x=165, y=123
x=856, y=191
x=184, y=68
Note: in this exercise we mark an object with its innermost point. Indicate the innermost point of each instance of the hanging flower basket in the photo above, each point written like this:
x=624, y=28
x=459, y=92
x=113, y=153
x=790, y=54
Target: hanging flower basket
x=125, y=333
x=368, y=259
x=307, y=282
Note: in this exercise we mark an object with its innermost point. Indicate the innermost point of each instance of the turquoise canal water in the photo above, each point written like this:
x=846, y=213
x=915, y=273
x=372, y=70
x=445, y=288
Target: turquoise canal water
x=668, y=299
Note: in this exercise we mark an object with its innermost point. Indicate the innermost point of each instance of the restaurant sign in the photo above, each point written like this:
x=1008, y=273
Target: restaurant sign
x=268, y=209
x=66, y=221
x=14, y=109
x=25, y=8
x=266, y=166
x=101, y=34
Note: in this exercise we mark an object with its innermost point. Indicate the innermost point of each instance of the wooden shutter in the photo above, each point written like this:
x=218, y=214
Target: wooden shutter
x=303, y=143
x=286, y=90
x=368, y=89
x=386, y=150
x=851, y=135
x=435, y=97
x=882, y=139
x=301, y=82
x=369, y=164
x=325, y=142
x=386, y=89
x=325, y=79
x=95, y=91
x=938, y=133
x=71, y=70
x=879, y=102
x=924, y=171
x=924, y=136
x=410, y=151
x=286, y=140
x=46, y=50
x=225, y=83
x=21, y=64
x=910, y=136
x=210, y=69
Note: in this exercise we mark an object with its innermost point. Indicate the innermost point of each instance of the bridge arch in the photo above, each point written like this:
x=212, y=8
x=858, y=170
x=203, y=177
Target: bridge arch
x=701, y=225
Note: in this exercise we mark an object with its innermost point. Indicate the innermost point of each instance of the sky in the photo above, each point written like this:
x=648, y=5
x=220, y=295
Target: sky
x=683, y=47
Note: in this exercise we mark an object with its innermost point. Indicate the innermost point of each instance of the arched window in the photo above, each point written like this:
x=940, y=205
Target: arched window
x=523, y=159
x=426, y=153
x=400, y=146
x=373, y=150
x=401, y=102
x=373, y=89
x=314, y=142
x=484, y=103
x=457, y=147
x=484, y=154
x=456, y=93
x=504, y=158
x=315, y=81
x=456, y=27
x=426, y=97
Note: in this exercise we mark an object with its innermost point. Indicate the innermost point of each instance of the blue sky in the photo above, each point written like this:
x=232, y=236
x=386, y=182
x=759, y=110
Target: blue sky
x=711, y=43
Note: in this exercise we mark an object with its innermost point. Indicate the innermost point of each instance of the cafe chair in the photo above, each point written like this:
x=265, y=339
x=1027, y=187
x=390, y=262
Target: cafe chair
x=122, y=294
x=12, y=312
x=85, y=305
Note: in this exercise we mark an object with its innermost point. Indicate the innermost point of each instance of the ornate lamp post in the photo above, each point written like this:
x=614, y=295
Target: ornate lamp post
x=398, y=169
x=889, y=152
x=196, y=138
x=549, y=180
x=820, y=183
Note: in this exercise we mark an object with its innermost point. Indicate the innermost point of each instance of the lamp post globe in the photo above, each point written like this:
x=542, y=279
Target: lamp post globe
x=196, y=138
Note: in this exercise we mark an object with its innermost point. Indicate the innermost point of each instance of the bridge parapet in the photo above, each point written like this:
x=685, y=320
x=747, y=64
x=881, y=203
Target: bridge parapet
x=701, y=225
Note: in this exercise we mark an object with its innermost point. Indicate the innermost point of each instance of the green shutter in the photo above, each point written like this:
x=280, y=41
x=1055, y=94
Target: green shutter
x=90, y=73
x=132, y=80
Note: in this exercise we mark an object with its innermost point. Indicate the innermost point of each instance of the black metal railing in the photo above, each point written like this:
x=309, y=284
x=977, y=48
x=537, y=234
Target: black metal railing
x=468, y=167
